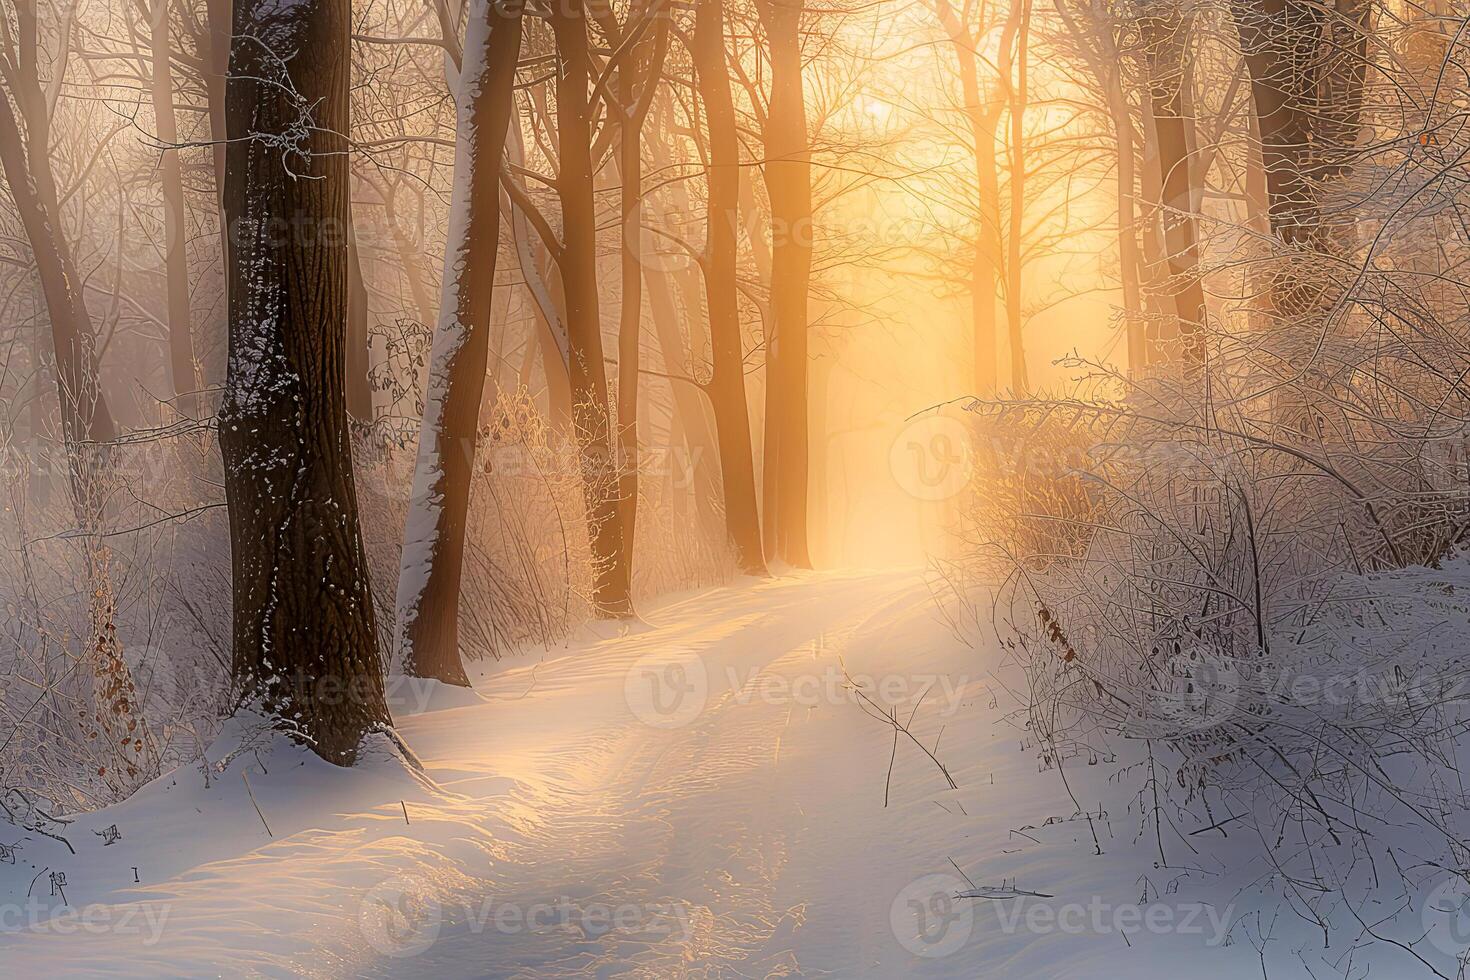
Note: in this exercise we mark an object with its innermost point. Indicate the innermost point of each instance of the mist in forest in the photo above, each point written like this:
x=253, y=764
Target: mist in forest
x=734, y=487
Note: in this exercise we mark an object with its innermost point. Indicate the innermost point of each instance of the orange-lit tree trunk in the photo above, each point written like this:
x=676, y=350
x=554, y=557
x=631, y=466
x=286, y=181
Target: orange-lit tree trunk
x=727, y=381
x=789, y=188
x=1015, y=70
x=637, y=75
x=592, y=418
x=982, y=120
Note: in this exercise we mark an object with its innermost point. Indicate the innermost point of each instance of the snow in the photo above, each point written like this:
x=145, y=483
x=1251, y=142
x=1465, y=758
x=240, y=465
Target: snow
x=426, y=504
x=698, y=795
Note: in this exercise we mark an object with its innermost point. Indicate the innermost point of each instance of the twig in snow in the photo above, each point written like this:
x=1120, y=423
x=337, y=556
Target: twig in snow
x=254, y=804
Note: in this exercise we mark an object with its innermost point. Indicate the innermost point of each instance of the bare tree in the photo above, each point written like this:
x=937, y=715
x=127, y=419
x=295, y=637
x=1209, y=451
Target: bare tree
x=25, y=156
x=427, y=620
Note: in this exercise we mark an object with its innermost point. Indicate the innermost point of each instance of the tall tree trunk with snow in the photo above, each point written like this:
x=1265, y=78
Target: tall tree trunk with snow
x=727, y=381
x=1307, y=64
x=434, y=538
x=789, y=188
x=305, y=643
x=183, y=371
x=592, y=417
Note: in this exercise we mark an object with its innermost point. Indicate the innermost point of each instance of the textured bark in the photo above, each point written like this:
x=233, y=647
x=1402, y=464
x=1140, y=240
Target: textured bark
x=1307, y=64
x=789, y=188
x=305, y=643
x=359, y=389
x=434, y=538
x=592, y=417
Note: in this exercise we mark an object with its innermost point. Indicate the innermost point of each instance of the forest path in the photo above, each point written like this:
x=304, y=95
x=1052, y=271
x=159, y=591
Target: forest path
x=677, y=785
x=707, y=797
x=702, y=795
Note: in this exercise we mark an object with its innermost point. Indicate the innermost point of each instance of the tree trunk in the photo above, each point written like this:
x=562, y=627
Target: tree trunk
x=86, y=421
x=358, y=361
x=305, y=642
x=788, y=185
x=434, y=536
x=688, y=400
x=1165, y=38
x=183, y=371
x=630, y=326
x=592, y=418
x=1017, y=101
x=982, y=121
x=727, y=381
x=632, y=78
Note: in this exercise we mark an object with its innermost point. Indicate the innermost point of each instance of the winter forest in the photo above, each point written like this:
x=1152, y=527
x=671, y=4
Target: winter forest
x=735, y=488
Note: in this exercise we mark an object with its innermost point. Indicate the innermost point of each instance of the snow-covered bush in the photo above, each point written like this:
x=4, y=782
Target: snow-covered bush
x=114, y=655
x=1256, y=570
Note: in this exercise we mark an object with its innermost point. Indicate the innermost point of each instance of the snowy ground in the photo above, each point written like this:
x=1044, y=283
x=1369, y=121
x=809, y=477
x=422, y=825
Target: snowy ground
x=701, y=797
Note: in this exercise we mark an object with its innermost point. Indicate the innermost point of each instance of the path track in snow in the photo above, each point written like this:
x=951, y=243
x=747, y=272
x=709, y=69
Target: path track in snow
x=678, y=789
x=702, y=796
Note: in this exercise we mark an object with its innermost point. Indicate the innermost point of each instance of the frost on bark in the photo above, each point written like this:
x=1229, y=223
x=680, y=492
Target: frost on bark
x=433, y=547
x=304, y=639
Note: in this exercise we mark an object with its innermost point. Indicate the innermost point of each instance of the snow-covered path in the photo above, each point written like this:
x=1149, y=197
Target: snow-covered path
x=705, y=796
